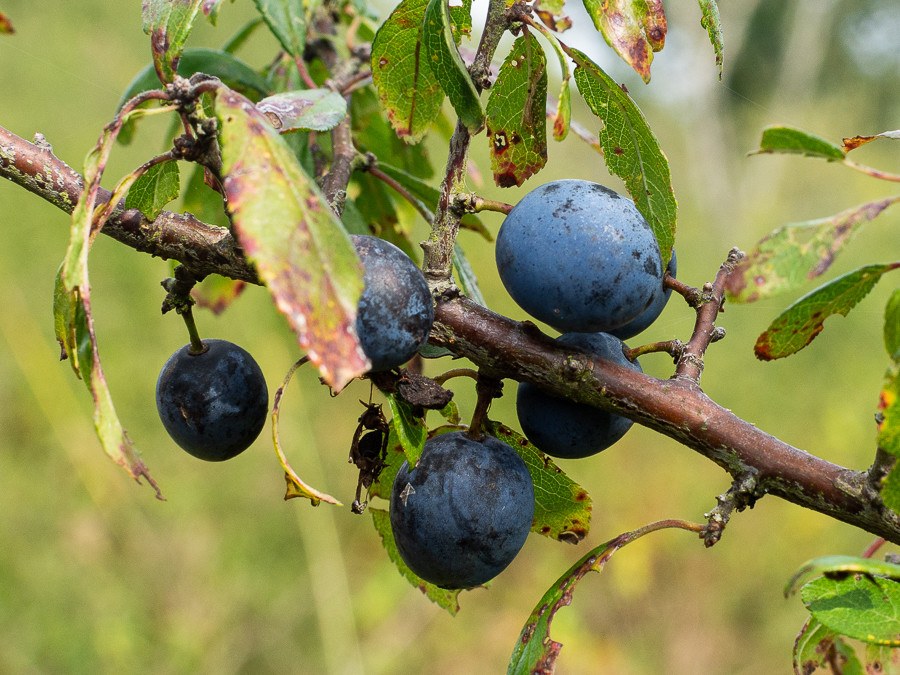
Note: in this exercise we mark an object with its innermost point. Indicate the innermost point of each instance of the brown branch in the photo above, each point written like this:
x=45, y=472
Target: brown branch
x=503, y=348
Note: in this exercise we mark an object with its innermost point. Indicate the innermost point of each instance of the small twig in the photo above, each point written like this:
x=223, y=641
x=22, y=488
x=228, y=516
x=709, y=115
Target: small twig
x=875, y=173
x=872, y=548
x=472, y=203
x=882, y=465
x=487, y=389
x=690, y=294
x=674, y=348
x=741, y=495
x=712, y=297
x=372, y=167
x=443, y=378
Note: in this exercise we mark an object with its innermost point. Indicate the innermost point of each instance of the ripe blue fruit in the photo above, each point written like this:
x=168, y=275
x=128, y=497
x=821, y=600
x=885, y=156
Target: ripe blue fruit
x=579, y=257
x=395, y=311
x=213, y=404
x=651, y=314
x=563, y=428
x=461, y=516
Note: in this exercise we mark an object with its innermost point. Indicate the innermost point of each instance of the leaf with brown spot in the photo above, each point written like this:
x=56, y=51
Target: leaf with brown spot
x=633, y=28
x=6, y=27
x=800, y=323
x=793, y=254
x=562, y=508
x=516, y=114
x=297, y=243
x=407, y=88
x=711, y=21
x=306, y=109
x=168, y=23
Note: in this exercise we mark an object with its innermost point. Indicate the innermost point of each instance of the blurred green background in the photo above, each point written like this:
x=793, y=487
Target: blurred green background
x=224, y=577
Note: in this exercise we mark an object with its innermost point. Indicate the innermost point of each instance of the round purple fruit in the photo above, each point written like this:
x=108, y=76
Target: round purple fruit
x=579, y=257
x=464, y=512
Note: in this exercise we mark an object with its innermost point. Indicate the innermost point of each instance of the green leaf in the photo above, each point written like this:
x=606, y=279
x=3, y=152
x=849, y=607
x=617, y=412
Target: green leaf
x=408, y=89
x=202, y=201
x=842, y=565
x=410, y=429
x=74, y=322
x=466, y=276
x=306, y=109
x=300, y=248
x=155, y=188
x=889, y=432
x=443, y=598
x=892, y=325
x=288, y=21
x=793, y=254
x=800, y=323
x=168, y=23
x=516, y=114
x=448, y=67
x=793, y=141
x=535, y=651
x=631, y=150
x=860, y=606
x=633, y=28
x=562, y=508
x=713, y=24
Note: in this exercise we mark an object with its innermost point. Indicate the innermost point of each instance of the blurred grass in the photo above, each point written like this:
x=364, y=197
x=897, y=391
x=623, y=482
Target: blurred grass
x=225, y=577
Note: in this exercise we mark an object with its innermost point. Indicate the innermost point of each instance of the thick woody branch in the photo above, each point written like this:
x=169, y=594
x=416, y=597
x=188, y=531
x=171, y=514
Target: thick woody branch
x=503, y=348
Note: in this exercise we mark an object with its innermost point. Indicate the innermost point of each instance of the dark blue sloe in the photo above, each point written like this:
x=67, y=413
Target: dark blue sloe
x=563, y=428
x=651, y=314
x=395, y=311
x=212, y=404
x=578, y=256
x=461, y=516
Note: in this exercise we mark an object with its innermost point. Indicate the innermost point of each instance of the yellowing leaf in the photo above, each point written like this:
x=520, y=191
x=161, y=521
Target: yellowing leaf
x=297, y=243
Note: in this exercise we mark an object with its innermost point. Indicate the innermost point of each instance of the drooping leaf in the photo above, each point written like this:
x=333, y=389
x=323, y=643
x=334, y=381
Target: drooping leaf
x=448, y=68
x=535, y=651
x=6, y=27
x=550, y=14
x=408, y=89
x=168, y=23
x=892, y=325
x=860, y=606
x=155, y=188
x=713, y=24
x=461, y=20
x=306, y=109
x=857, y=141
x=793, y=254
x=288, y=21
x=631, y=149
x=800, y=323
x=442, y=597
x=410, y=429
x=562, y=508
x=516, y=114
x=301, y=250
x=633, y=28
x=840, y=565
x=296, y=486
x=562, y=116
x=74, y=322
x=466, y=276
x=794, y=141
